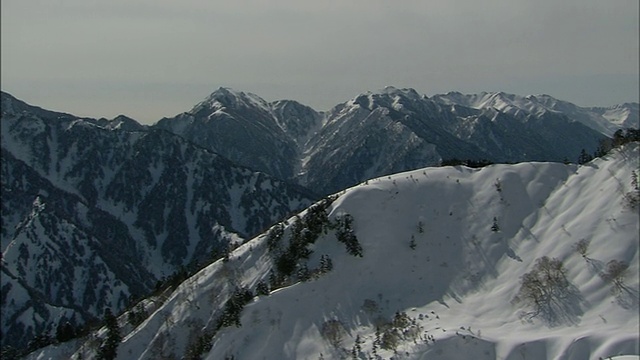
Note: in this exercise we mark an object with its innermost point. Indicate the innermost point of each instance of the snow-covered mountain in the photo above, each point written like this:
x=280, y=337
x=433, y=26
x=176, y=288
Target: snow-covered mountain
x=247, y=130
x=605, y=120
x=95, y=212
x=425, y=264
x=428, y=131
x=625, y=115
x=392, y=130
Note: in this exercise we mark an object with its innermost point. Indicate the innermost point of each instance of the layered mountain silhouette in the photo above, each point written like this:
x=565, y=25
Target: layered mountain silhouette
x=391, y=130
x=97, y=212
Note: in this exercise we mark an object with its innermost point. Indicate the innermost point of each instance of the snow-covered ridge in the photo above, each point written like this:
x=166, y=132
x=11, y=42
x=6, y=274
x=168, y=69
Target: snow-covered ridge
x=444, y=252
x=624, y=115
x=605, y=120
x=293, y=142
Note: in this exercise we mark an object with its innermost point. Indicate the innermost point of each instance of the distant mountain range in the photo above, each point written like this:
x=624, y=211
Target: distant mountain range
x=392, y=130
x=95, y=211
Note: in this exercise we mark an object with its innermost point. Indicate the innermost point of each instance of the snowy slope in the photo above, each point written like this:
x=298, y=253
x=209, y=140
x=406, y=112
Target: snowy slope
x=432, y=262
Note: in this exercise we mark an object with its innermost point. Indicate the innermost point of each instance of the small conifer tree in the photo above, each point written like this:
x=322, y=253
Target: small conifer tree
x=109, y=348
x=584, y=157
x=495, y=227
x=262, y=288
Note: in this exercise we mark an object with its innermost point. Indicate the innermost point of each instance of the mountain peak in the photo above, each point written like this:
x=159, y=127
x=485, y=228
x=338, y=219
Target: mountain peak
x=121, y=122
x=385, y=97
x=225, y=92
x=393, y=91
x=225, y=97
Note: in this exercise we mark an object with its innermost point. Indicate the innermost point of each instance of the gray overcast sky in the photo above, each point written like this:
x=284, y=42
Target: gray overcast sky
x=153, y=58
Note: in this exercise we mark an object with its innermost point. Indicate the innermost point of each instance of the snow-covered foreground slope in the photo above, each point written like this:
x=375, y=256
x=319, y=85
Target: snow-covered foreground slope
x=434, y=279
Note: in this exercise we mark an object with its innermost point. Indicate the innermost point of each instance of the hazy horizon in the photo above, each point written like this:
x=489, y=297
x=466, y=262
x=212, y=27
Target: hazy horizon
x=149, y=60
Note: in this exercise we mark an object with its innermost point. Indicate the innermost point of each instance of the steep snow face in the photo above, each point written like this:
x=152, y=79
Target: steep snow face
x=444, y=254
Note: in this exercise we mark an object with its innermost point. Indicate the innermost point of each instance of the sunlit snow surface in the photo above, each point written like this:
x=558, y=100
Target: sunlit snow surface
x=458, y=283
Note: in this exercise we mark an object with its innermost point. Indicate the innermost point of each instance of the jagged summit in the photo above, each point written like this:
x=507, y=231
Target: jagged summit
x=120, y=122
x=225, y=97
x=604, y=120
x=385, y=97
x=241, y=127
x=406, y=92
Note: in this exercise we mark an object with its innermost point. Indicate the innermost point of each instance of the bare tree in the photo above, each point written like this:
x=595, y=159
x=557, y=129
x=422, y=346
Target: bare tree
x=582, y=247
x=547, y=291
x=615, y=272
x=333, y=331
